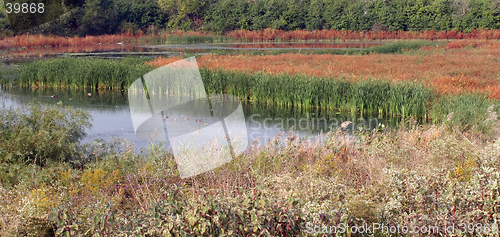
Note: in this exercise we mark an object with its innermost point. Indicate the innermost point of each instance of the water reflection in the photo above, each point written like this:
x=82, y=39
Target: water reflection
x=112, y=118
x=290, y=45
x=127, y=49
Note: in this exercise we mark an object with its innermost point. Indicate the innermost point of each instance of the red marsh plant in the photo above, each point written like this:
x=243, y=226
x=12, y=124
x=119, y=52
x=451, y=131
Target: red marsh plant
x=468, y=66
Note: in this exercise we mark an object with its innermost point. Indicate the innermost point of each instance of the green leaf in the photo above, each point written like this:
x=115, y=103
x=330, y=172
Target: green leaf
x=59, y=231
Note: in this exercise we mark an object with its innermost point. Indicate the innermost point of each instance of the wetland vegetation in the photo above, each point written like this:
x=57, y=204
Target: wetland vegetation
x=417, y=174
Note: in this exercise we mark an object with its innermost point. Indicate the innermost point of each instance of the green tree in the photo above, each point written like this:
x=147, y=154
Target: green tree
x=141, y=13
x=100, y=17
x=184, y=14
x=314, y=16
x=228, y=15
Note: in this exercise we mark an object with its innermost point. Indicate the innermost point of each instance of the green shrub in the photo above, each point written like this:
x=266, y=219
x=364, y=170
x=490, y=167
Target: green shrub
x=39, y=135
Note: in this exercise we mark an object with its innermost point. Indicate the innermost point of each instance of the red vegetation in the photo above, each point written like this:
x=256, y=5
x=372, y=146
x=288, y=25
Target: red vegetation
x=346, y=35
x=453, y=71
x=32, y=41
x=245, y=35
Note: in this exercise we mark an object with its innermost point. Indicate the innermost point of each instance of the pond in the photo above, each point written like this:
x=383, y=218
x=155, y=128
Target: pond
x=112, y=117
x=131, y=50
x=111, y=112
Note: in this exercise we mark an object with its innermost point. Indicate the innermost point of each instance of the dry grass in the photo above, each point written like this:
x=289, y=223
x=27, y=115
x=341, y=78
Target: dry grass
x=378, y=177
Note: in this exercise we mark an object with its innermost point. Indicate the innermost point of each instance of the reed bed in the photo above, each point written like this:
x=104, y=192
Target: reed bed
x=455, y=68
x=347, y=35
x=37, y=41
x=287, y=90
x=387, y=98
x=31, y=41
x=82, y=73
x=402, y=99
x=51, y=51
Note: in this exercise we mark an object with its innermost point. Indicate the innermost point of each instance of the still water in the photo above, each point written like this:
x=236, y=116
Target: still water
x=110, y=111
x=132, y=50
x=111, y=116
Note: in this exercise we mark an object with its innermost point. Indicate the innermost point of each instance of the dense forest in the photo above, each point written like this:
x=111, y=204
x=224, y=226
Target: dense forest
x=95, y=17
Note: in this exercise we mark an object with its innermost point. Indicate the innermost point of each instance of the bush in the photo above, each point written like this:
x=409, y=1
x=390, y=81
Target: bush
x=40, y=135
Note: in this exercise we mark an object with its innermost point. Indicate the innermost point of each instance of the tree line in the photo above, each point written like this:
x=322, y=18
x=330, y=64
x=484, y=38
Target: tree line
x=354, y=15
x=95, y=17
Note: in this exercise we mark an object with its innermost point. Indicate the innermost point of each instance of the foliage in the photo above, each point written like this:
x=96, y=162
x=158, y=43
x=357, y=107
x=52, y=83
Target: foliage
x=228, y=15
x=141, y=14
x=395, y=15
x=186, y=15
x=100, y=17
x=414, y=176
x=4, y=22
x=40, y=135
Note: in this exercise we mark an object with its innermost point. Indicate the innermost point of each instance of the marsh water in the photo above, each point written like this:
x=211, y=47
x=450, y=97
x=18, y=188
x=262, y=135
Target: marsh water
x=111, y=117
x=131, y=50
x=110, y=111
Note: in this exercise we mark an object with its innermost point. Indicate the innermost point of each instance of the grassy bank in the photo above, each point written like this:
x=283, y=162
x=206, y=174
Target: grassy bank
x=414, y=176
x=378, y=97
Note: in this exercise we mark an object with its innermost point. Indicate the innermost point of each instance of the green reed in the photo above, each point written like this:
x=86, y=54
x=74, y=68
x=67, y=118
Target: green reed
x=371, y=96
x=466, y=110
x=82, y=73
x=403, y=99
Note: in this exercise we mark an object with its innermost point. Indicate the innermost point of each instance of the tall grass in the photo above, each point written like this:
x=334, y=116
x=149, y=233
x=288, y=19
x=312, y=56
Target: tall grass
x=412, y=176
x=402, y=99
x=82, y=73
x=466, y=110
